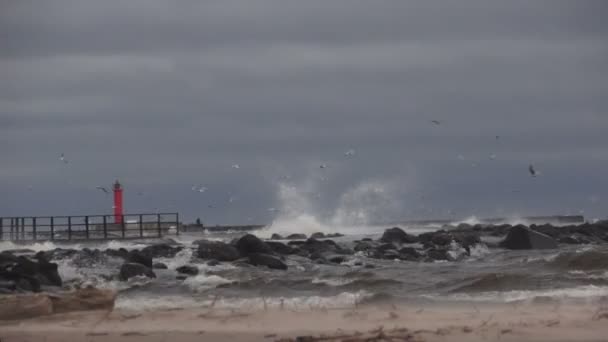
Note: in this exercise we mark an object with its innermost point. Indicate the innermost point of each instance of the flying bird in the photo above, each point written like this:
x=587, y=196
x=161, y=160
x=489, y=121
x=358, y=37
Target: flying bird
x=323, y=166
x=236, y=166
x=436, y=122
x=62, y=158
x=102, y=189
x=533, y=171
x=349, y=153
x=492, y=156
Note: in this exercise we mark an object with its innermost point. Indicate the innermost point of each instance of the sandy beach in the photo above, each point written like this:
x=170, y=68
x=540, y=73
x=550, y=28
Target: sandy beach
x=458, y=322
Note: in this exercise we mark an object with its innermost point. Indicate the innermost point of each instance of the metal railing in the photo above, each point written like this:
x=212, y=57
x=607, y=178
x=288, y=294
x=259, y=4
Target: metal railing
x=89, y=227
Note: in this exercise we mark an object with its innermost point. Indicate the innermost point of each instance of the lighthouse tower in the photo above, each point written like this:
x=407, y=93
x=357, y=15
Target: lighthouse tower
x=118, y=213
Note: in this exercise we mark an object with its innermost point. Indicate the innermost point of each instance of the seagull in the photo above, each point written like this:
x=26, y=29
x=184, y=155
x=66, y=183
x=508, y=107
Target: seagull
x=436, y=122
x=460, y=157
x=102, y=189
x=349, y=153
x=323, y=166
x=199, y=188
x=498, y=137
x=62, y=158
x=533, y=171
x=236, y=166
x=492, y=156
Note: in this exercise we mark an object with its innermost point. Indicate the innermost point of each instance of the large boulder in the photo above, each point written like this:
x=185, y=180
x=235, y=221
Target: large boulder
x=280, y=248
x=296, y=237
x=260, y=259
x=161, y=250
x=27, y=274
x=250, y=244
x=397, y=235
x=83, y=300
x=130, y=270
x=520, y=237
x=188, y=270
x=216, y=250
x=140, y=258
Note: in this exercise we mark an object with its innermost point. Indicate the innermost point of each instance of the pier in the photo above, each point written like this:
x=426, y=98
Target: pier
x=88, y=227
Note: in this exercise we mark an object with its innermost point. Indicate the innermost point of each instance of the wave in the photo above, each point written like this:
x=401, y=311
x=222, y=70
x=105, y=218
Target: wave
x=493, y=282
x=586, y=292
x=303, y=303
x=585, y=260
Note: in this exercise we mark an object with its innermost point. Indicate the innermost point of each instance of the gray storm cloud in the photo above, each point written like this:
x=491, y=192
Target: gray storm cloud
x=168, y=96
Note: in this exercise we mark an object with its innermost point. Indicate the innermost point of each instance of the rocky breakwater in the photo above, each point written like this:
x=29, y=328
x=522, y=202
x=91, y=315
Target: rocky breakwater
x=20, y=273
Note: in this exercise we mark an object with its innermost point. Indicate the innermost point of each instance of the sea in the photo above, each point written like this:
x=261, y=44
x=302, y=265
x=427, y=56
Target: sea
x=488, y=275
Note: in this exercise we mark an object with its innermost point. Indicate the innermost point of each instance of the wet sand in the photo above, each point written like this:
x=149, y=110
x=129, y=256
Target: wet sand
x=457, y=322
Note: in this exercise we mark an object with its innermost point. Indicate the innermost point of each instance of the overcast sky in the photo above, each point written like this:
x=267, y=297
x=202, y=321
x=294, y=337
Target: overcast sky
x=168, y=95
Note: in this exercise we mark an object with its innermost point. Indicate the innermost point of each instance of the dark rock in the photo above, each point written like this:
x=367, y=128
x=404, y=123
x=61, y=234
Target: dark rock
x=138, y=257
x=334, y=235
x=44, y=272
x=546, y=229
x=216, y=250
x=160, y=266
x=467, y=240
x=280, y=248
x=296, y=243
x=161, y=250
x=250, y=244
x=213, y=262
x=296, y=237
x=441, y=239
x=385, y=247
x=187, y=269
x=260, y=259
x=397, y=235
x=336, y=258
x=438, y=254
x=317, y=246
x=409, y=253
x=391, y=254
x=181, y=277
x=117, y=253
x=520, y=237
x=363, y=246
x=318, y=235
x=130, y=270
x=367, y=239
x=276, y=236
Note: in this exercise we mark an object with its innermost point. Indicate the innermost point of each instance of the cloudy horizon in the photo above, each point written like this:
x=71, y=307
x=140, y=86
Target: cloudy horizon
x=167, y=96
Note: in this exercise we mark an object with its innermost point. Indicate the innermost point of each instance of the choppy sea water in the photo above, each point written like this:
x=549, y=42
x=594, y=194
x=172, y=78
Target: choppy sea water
x=573, y=273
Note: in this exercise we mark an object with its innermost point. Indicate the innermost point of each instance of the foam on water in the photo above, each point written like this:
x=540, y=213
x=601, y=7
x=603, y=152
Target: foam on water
x=579, y=292
x=203, y=282
x=154, y=302
x=49, y=245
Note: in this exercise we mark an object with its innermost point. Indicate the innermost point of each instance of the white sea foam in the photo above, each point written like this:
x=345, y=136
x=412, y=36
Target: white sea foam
x=154, y=302
x=203, y=282
x=50, y=245
x=580, y=292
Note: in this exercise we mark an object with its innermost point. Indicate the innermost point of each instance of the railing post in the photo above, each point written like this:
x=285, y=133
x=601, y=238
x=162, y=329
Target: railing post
x=141, y=225
x=105, y=227
x=86, y=226
x=160, y=234
x=177, y=224
x=23, y=228
x=1, y=228
x=34, y=235
x=52, y=228
x=122, y=223
x=69, y=227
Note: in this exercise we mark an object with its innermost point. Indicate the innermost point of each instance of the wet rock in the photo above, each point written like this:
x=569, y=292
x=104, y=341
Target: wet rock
x=336, y=258
x=260, y=259
x=317, y=246
x=117, y=253
x=276, y=236
x=296, y=237
x=280, y=248
x=546, y=229
x=140, y=258
x=467, y=240
x=438, y=254
x=213, y=262
x=250, y=244
x=59, y=254
x=89, y=258
x=334, y=235
x=391, y=254
x=159, y=266
x=161, y=250
x=409, y=253
x=216, y=250
x=130, y=270
x=397, y=235
x=30, y=275
x=181, y=277
x=187, y=269
x=520, y=237
x=364, y=246
x=318, y=235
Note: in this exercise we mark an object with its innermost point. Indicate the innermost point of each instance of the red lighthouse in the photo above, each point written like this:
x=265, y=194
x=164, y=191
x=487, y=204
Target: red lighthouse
x=118, y=214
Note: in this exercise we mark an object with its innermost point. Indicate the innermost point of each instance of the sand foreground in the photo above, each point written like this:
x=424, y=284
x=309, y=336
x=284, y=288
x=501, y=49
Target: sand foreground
x=457, y=322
